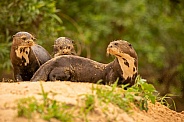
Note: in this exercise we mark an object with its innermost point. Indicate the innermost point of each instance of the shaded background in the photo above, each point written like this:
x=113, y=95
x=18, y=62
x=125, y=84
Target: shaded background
x=154, y=27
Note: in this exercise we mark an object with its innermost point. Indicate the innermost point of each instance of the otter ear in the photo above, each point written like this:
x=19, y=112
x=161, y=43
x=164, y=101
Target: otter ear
x=70, y=40
x=73, y=42
x=33, y=38
x=13, y=36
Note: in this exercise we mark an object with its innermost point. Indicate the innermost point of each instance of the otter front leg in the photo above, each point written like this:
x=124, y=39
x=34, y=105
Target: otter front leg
x=17, y=77
x=17, y=74
x=60, y=73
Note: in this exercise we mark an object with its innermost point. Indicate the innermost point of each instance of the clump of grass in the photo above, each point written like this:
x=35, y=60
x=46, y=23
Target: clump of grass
x=139, y=94
x=27, y=106
x=163, y=100
x=88, y=105
x=46, y=108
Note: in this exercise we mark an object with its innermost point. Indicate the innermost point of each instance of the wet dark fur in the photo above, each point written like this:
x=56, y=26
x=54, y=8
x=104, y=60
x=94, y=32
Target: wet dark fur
x=79, y=69
x=36, y=55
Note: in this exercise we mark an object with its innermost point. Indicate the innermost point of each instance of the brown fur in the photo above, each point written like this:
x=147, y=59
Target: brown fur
x=26, y=57
x=63, y=46
x=79, y=69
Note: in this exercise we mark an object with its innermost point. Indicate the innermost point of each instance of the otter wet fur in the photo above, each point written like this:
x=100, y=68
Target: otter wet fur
x=64, y=46
x=26, y=56
x=79, y=69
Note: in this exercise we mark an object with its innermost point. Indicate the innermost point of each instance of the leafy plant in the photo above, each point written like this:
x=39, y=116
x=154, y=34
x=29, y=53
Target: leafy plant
x=142, y=92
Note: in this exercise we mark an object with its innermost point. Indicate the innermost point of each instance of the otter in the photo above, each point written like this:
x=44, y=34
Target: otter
x=26, y=56
x=79, y=69
x=64, y=46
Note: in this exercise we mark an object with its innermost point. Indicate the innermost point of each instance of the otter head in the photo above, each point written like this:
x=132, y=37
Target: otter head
x=24, y=39
x=63, y=46
x=127, y=58
x=120, y=47
x=21, y=45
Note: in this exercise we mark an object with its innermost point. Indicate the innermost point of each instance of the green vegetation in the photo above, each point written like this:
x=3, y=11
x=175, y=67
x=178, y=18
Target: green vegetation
x=154, y=27
x=47, y=108
x=163, y=101
x=139, y=94
x=89, y=106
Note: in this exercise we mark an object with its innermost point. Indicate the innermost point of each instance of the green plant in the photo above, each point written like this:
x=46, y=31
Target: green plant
x=163, y=100
x=27, y=106
x=142, y=93
x=89, y=102
x=112, y=95
x=46, y=108
x=139, y=94
x=88, y=105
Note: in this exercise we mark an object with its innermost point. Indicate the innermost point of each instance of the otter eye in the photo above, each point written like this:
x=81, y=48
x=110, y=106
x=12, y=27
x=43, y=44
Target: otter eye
x=23, y=38
x=116, y=44
x=72, y=42
x=33, y=38
x=129, y=45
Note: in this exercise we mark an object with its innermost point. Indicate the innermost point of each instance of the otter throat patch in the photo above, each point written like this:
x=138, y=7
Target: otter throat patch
x=127, y=65
x=23, y=52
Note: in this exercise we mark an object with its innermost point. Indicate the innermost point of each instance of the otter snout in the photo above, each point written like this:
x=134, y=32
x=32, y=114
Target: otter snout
x=27, y=43
x=112, y=47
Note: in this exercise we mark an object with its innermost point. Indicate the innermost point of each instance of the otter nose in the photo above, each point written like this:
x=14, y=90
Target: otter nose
x=30, y=42
x=110, y=46
x=65, y=51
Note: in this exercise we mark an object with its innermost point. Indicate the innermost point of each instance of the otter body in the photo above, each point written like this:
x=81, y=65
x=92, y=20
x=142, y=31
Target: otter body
x=76, y=69
x=79, y=69
x=26, y=57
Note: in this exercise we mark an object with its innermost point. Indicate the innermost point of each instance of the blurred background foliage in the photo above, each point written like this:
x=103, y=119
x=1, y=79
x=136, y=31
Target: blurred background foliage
x=154, y=27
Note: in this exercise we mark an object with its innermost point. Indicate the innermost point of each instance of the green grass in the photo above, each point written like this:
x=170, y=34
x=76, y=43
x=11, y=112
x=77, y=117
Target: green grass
x=163, y=100
x=46, y=108
x=88, y=106
x=139, y=94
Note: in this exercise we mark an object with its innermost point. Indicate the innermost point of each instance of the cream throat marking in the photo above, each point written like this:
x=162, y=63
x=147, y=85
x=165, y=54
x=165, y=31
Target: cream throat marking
x=23, y=52
x=127, y=65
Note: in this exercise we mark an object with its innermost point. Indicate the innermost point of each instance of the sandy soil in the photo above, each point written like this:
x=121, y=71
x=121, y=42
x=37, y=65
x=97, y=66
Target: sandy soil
x=68, y=92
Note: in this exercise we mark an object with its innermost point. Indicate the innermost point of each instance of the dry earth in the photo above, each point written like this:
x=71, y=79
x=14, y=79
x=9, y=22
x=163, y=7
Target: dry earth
x=68, y=92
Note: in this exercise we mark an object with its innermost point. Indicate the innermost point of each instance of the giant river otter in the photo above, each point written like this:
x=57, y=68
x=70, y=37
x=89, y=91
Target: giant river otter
x=26, y=57
x=79, y=69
